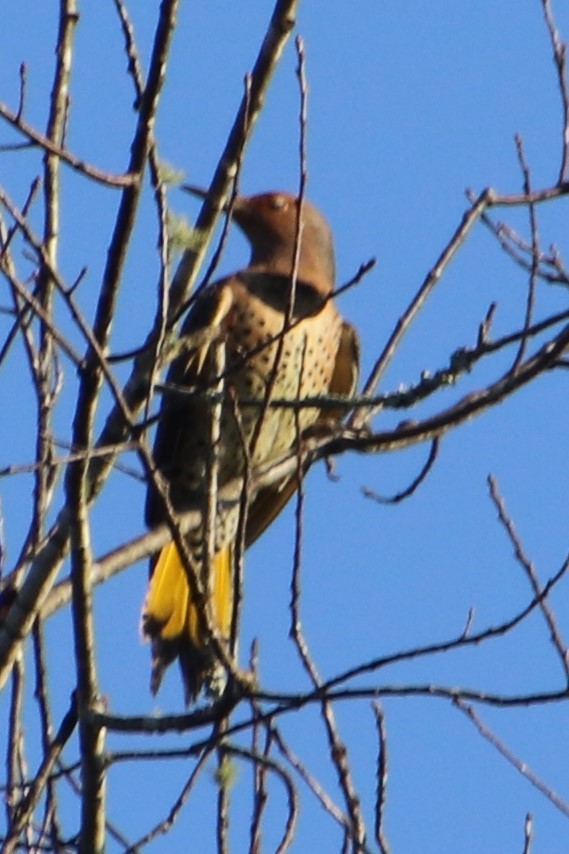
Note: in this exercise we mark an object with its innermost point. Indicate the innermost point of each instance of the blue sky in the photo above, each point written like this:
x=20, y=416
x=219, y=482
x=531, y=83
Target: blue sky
x=409, y=105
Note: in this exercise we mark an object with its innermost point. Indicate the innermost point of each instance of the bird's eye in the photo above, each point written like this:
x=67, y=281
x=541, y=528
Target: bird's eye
x=278, y=202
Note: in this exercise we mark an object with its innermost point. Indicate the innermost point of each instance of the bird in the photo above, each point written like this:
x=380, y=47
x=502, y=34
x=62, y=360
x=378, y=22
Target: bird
x=281, y=338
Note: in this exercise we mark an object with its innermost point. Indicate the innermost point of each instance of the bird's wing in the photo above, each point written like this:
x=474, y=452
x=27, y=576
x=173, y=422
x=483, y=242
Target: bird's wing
x=190, y=367
x=269, y=502
x=346, y=372
x=170, y=616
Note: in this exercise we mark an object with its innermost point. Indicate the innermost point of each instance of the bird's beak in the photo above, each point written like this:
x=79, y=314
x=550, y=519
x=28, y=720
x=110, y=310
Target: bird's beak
x=194, y=190
x=239, y=203
x=241, y=212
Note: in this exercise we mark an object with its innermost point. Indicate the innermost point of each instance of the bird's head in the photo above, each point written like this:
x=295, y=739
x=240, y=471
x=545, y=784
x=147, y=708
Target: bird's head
x=269, y=221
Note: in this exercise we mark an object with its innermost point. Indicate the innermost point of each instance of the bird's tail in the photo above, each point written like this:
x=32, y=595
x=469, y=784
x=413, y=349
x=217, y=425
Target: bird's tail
x=174, y=623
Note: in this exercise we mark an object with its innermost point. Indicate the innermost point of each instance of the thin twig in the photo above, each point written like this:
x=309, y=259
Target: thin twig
x=47, y=144
x=309, y=779
x=260, y=793
x=14, y=742
x=27, y=805
x=382, y=771
x=224, y=779
x=468, y=221
x=164, y=826
x=528, y=833
x=413, y=486
x=292, y=797
x=535, y=253
x=529, y=569
x=44, y=713
x=518, y=764
x=559, y=49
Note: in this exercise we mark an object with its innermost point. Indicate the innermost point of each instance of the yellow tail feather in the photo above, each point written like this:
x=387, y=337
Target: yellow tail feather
x=223, y=591
x=169, y=604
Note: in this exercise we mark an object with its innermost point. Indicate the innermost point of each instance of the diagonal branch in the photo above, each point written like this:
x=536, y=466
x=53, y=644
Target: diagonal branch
x=280, y=26
x=529, y=568
x=560, y=57
x=27, y=806
x=50, y=147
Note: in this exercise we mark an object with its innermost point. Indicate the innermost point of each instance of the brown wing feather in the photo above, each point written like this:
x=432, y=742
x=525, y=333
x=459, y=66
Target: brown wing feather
x=178, y=414
x=346, y=371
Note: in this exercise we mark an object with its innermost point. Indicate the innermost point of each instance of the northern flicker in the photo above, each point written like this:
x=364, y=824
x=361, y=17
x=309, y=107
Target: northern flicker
x=245, y=314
